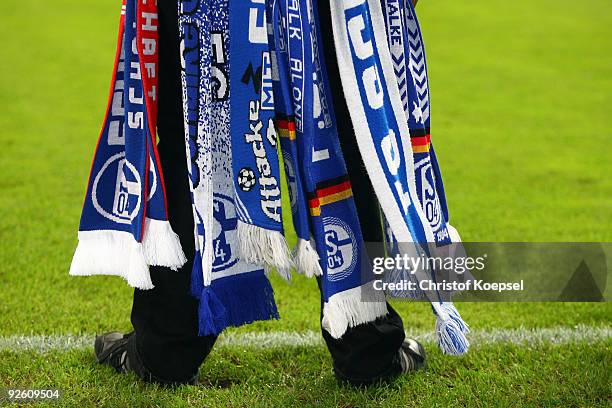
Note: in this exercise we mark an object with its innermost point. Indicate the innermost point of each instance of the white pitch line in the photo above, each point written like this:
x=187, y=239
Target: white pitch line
x=553, y=335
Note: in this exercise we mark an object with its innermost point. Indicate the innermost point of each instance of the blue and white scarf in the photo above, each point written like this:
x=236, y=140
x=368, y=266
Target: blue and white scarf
x=382, y=62
x=254, y=141
x=124, y=225
x=305, y=256
x=219, y=110
x=317, y=172
x=410, y=67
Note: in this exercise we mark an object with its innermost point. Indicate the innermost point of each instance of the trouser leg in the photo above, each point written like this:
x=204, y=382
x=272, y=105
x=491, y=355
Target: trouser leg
x=368, y=352
x=165, y=319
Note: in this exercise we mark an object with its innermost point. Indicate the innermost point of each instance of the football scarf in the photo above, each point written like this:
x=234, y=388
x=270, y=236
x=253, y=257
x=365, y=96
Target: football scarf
x=382, y=63
x=231, y=290
x=254, y=141
x=305, y=256
x=410, y=68
x=318, y=176
x=124, y=225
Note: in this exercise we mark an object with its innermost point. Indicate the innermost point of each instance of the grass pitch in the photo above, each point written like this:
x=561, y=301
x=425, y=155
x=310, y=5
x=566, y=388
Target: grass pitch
x=521, y=95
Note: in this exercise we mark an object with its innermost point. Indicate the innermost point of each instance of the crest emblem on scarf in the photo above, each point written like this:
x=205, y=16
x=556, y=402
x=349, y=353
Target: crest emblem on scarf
x=126, y=198
x=431, y=203
x=224, y=228
x=341, y=248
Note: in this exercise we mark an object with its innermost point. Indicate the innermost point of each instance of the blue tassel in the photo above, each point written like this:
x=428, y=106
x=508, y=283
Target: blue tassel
x=211, y=313
x=232, y=301
x=247, y=298
x=456, y=317
x=451, y=330
x=197, y=277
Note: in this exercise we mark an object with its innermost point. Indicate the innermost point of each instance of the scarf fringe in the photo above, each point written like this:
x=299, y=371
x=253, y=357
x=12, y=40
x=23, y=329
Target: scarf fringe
x=264, y=247
x=162, y=246
x=112, y=253
x=247, y=298
x=138, y=275
x=306, y=259
x=451, y=330
x=403, y=275
x=346, y=309
x=231, y=301
x=211, y=314
x=197, y=278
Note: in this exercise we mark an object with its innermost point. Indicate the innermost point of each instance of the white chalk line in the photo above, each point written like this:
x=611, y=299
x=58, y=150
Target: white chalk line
x=258, y=340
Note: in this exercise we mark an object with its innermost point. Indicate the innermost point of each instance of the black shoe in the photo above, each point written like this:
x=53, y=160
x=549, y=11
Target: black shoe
x=116, y=350
x=111, y=349
x=412, y=355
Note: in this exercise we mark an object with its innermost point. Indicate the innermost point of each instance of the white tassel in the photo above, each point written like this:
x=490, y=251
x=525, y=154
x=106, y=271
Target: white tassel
x=415, y=275
x=114, y=253
x=399, y=276
x=264, y=247
x=347, y=309
x=451, y=329
x=102, y=253
x=162, y=246
x=138, y=272
x=306, y=259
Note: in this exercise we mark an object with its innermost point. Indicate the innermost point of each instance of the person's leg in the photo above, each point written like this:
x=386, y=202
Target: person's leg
x=369, y=352
x=165, y=346
x=377, y=350
x=165, y=318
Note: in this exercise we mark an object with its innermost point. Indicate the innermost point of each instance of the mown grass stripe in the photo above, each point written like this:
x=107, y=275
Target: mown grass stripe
x=552, y=335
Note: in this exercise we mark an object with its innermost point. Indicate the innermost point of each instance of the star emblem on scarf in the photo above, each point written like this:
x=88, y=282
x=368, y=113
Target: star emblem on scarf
x=417, y=113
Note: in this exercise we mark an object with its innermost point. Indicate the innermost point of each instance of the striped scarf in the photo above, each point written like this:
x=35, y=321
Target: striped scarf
x=384, y=75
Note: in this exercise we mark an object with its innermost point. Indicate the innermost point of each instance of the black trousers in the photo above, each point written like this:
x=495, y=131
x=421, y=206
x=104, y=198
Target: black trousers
x=166, y=347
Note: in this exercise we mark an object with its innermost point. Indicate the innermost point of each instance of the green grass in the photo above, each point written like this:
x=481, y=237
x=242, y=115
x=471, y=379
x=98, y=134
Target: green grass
x=494, y=376
x=521, y=95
